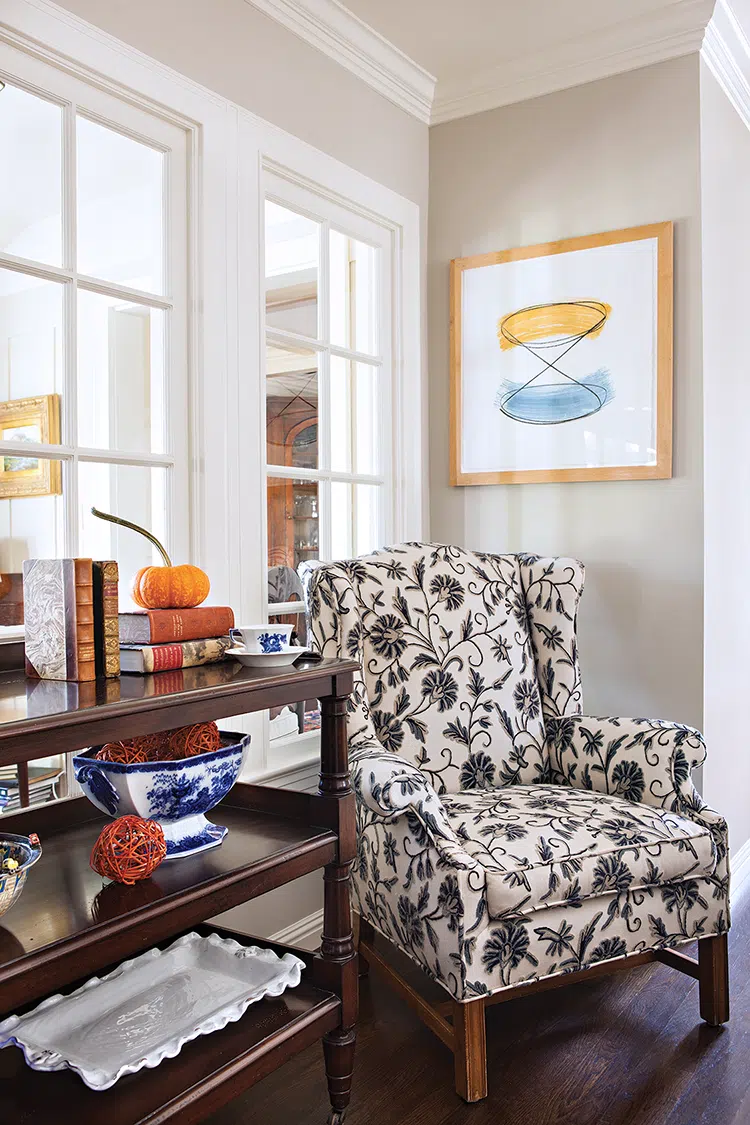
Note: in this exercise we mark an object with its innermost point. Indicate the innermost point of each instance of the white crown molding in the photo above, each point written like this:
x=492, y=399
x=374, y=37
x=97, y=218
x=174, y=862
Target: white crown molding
x=726, y=52
x=338, y=33
x=633, y=43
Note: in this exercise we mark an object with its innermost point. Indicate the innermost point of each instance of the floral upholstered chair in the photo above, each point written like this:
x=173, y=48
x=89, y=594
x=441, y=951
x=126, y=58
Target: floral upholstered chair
x=505, y=840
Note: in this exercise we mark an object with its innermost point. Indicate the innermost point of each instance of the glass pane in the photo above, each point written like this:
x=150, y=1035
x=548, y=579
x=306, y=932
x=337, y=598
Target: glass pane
x=293, y=537
x=355, y=418
x=121, y=377
x=292, y=263
x=292, y=406
x=355, y=519
x=31, y=183
x=32, y=525
x=47, y=781
x=134, y=492
x=31, y=337
x=287, y=723
x=120, y=208
x=354, y=294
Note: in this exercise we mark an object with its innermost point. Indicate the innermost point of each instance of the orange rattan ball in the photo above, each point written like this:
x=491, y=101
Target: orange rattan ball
x=129, y=849
x=125, y=752
x=201, y=738
x=152, y=744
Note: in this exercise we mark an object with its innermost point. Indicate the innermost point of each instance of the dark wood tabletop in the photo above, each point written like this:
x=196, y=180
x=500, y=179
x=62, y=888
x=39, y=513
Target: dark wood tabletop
x=78, y=715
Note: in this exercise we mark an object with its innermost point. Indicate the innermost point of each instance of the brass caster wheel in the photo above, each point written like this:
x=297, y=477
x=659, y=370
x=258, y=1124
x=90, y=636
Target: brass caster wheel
x=336, y=1117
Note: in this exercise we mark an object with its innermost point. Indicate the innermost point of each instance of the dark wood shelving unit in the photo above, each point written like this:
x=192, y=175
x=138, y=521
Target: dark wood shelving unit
x=67, y=925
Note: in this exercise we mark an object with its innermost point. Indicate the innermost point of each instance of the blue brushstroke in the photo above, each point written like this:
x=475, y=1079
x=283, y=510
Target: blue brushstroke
x=548, y=404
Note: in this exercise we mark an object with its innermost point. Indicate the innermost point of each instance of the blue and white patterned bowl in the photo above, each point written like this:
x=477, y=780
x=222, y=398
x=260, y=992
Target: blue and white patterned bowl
x=25, y=850
x=175, y=794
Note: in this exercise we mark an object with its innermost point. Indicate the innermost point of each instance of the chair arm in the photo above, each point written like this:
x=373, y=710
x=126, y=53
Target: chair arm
x=648, y=761
x=389, y=787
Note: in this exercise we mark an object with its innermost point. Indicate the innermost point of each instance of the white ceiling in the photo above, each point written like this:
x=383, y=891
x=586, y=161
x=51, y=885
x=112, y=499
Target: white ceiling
x=453, y=40
x=442, y=59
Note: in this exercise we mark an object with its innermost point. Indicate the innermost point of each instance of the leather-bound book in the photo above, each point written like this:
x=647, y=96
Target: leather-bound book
x=58, y=597
x=185, y=654
x=106, y=623
x=168, y=626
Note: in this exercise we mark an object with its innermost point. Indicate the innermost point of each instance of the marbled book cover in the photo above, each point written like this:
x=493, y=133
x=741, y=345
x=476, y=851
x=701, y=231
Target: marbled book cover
x=48, y=589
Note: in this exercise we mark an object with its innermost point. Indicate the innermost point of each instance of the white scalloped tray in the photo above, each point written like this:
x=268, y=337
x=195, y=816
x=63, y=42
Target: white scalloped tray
x=146, y=1009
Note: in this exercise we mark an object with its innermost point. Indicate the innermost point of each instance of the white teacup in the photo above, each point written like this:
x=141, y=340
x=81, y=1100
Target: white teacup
x=262, y=638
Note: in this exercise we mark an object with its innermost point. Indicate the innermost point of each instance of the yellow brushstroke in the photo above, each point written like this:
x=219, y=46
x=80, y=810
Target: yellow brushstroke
x=540, y=322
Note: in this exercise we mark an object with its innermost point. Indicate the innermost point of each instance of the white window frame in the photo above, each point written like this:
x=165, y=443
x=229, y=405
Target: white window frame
x=330, y=213
x=322, y=209
x=230, y=149
x=78, y=97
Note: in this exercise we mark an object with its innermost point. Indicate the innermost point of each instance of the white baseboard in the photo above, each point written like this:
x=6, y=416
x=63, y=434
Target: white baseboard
x=304, y=933
x=740, y=869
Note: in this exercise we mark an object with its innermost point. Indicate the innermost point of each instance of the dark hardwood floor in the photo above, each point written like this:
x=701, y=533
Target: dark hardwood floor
x=624, y=1050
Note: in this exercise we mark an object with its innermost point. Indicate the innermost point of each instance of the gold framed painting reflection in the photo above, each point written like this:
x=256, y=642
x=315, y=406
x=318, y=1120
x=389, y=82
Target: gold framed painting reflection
x=35, y=420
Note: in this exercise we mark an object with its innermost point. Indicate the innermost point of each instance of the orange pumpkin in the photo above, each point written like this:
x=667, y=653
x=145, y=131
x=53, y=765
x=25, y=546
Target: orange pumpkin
x=6, y=585
x=164, y=587
x=170, y=587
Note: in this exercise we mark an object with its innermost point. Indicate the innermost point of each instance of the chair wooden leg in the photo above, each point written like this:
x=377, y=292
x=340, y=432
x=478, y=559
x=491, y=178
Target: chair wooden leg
x=470, y=1050
x=713, y=979
x=365, y=933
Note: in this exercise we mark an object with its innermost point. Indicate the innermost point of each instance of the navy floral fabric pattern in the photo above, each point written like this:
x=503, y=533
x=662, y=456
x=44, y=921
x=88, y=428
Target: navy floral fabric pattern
x=545, y=845
x=449, y=679
x=503, y=836
x=553, y=588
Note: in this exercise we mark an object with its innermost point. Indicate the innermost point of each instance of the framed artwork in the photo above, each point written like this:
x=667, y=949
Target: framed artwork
x=34, y=420
x=561, y=360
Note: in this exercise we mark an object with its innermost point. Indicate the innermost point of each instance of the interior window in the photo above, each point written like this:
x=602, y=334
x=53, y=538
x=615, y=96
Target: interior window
x=327, y=386
x=92, y=315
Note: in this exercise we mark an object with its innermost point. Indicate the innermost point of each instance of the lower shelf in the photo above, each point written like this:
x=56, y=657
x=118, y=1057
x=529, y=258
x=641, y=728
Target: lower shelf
x=206, y=1074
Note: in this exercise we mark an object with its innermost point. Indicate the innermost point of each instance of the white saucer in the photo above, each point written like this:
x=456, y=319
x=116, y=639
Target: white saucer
x=266, y=659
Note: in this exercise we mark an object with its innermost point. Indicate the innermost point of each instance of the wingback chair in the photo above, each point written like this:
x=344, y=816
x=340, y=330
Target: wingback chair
x=506, y=842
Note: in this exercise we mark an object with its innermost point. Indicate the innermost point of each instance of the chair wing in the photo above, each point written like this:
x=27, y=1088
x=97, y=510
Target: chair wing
x=553, y=588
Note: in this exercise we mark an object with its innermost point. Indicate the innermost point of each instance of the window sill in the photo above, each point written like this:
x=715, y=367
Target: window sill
x=294, y=760
x=11, y=633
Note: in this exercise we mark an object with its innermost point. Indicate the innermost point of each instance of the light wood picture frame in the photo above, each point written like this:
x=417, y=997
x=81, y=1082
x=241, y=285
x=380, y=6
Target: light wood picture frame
x=35, y=420
x=561, y=360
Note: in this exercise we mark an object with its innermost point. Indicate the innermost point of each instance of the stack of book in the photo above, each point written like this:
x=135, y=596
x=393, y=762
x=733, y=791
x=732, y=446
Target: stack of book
x=155, y=640
x=43, y=781
x=70, y=614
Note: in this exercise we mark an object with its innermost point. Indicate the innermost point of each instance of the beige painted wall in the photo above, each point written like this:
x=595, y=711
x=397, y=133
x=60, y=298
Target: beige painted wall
x=725, y=164
x=611, y=154
x=232, y=48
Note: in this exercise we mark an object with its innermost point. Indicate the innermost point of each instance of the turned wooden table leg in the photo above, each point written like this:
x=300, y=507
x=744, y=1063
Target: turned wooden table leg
x=337, y=963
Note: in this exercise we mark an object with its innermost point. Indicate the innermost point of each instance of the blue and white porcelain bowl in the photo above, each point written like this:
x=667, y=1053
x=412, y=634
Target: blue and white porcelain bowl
x=175, y=794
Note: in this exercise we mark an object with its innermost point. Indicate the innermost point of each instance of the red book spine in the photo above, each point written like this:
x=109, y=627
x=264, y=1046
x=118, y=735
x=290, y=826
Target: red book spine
x=84, y=627
x=163, y=657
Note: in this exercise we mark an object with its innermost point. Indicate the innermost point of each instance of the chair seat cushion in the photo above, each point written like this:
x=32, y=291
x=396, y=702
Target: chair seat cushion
x=547, y=845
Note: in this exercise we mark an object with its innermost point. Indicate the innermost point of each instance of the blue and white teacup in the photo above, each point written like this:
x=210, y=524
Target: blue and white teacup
x=262, y=638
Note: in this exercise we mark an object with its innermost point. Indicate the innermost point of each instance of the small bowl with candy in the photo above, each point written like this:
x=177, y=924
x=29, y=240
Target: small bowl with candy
x=174, y=777
x=18, y=854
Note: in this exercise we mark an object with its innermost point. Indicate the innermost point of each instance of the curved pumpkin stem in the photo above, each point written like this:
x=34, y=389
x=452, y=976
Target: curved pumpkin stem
x=134, y=527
